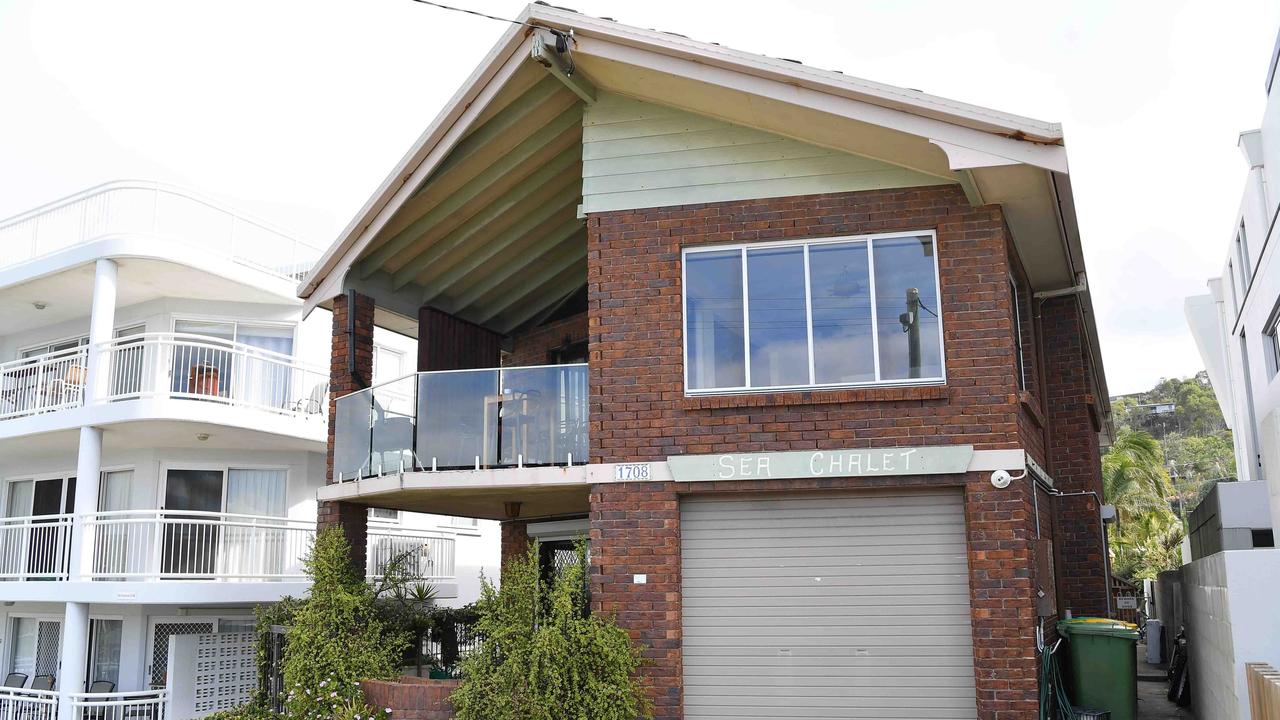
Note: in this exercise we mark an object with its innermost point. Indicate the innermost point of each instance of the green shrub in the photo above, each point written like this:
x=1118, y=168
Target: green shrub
x=542, y=658
x=335, y=637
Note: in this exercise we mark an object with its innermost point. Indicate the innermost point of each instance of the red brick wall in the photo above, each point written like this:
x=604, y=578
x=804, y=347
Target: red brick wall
x=411, y=698
x=515, y=540
x=635, y=528
x=353, y=519
x=639, y=412
x=531, y=348
x=1073, y=457
x=638, y=408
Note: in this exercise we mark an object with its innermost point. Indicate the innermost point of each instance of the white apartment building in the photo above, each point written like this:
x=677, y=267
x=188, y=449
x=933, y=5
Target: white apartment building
x=163, y=425
x=1229, y=596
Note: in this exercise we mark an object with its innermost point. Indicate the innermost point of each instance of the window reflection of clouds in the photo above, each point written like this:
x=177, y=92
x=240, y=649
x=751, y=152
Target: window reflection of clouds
x=713, y=312
x=832, y=318
x=778, y=321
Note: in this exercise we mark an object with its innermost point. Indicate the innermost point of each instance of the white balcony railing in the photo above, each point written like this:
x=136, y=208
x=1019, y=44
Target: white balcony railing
x=19, y=704
x=132, y=207
x=44, y=383
x=201, y=368
x=428, y=556
x=146, y=545
x=140, y=705
x=189, y=545
x=35, y=548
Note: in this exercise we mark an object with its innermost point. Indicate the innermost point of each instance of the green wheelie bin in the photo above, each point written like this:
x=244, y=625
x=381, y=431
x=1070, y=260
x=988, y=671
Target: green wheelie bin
x=1104, y=665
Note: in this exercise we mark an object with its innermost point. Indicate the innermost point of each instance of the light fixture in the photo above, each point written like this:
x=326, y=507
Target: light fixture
x=202, y=436
x=39, y=305
x=512, y=509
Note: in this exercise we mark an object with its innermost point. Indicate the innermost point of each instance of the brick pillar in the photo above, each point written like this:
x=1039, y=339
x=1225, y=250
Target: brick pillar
x=635, y=528
x=515, y=540
x=1074, y=421
x=348, y=372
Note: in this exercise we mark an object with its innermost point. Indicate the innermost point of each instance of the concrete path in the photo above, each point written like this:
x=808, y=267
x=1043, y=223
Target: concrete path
x=1152, y=687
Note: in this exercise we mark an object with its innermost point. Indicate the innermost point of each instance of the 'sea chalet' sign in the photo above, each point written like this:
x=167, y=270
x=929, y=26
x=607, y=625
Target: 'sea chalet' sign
x=935, y=460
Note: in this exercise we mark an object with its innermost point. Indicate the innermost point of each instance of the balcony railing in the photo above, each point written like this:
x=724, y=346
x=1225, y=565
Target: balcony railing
x=464, y=419
x=152, y=209
x=139, y=705
x=167, y=365
x=428, y=557
x=44, y=383
x=196, y=367
x=35, y=548
x=19, y=704
x=146, y=545
x=190, y=545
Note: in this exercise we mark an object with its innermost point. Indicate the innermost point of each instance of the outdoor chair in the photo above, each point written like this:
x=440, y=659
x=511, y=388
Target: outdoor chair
x=15, y=680
x=99, y=686
x=42, y=682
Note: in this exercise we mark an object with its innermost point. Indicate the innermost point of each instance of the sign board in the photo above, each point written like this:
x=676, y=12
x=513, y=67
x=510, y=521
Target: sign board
x=867, y=462
x=1124, y=602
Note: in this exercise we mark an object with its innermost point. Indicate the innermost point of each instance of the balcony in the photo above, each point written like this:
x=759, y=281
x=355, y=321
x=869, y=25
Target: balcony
x=27, y=704
x=152, y=209
x=167, y=366
x=464, y=420
x=159, y=545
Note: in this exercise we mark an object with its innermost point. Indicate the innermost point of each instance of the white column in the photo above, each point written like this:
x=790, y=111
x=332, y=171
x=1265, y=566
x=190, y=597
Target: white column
x=102, y=320
x=75, y=654
x=88, y=478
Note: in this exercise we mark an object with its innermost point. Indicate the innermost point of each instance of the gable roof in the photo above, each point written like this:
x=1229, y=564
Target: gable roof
x=1017, y=162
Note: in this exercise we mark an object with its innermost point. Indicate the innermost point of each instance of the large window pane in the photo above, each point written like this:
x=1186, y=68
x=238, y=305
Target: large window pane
x=840, y=285
x=713, y=317
x=776, y=305
x=907, y=308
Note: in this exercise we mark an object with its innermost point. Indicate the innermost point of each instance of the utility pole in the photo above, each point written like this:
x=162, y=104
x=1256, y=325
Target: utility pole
x=911, y=326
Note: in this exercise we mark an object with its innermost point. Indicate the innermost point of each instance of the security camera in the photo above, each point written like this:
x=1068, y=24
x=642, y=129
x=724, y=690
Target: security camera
x=1000, y=479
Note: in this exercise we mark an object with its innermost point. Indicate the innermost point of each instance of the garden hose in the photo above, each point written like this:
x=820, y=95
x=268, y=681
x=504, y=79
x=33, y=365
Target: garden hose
x=1054, y=703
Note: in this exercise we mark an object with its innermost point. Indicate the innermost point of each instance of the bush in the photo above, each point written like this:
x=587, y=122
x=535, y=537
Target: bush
x=541, y=658
x=336, y=638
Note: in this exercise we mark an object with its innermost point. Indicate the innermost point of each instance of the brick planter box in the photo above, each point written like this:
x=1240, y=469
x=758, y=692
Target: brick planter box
x=412, y=698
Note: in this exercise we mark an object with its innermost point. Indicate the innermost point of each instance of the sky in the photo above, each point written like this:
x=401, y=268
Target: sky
x=295, y=110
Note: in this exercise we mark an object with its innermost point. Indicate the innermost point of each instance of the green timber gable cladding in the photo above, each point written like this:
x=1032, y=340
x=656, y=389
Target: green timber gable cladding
x=637, y=154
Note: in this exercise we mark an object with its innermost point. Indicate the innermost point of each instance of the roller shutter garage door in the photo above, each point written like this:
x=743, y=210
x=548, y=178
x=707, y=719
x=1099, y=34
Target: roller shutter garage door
x=827, y=605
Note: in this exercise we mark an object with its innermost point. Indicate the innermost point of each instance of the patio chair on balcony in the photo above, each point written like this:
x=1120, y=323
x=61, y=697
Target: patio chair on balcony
x=42, y=682
x=15, y=680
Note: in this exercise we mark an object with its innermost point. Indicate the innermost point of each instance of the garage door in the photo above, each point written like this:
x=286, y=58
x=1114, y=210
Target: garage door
x=849, y=605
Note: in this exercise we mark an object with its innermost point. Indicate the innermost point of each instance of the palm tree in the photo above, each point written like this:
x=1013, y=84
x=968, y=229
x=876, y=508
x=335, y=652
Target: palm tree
x=1135, y=481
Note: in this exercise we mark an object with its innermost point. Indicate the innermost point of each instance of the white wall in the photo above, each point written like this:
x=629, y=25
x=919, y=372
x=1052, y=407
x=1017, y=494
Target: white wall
x=1230, y=609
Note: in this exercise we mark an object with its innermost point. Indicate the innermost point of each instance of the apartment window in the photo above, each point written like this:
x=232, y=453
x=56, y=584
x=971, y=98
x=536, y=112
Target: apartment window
x=384, y=514
x=1232, y=288
x=1271, y=341
x=463, y=522
x=1242, y=257
x=817, y=313
x=388, y=364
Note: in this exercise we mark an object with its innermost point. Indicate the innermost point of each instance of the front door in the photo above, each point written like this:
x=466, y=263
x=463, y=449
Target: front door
x=34, y=646
x=44, y=547
x=191, y=532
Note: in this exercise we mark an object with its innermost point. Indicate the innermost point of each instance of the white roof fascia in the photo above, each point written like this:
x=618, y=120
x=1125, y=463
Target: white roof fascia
x=1049, y=157
x=431, y=148
x=952, y=111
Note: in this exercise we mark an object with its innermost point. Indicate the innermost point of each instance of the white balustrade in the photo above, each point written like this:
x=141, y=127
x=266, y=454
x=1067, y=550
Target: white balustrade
x=428, y=556
x=139, y=705
x=152, y=209
x=20, y=704
x=35, y=547
x=189, y=545
x=43, y=383
x=196, y=367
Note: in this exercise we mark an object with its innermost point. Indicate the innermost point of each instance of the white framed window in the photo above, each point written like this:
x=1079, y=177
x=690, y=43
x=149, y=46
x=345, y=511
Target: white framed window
x=384, y=514
x=1242, y=257
x=388, y=364
x=834, y=312
x=1271, y=342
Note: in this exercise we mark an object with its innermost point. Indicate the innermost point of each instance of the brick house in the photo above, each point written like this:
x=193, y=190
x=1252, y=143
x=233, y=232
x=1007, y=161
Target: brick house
x=768, y=335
